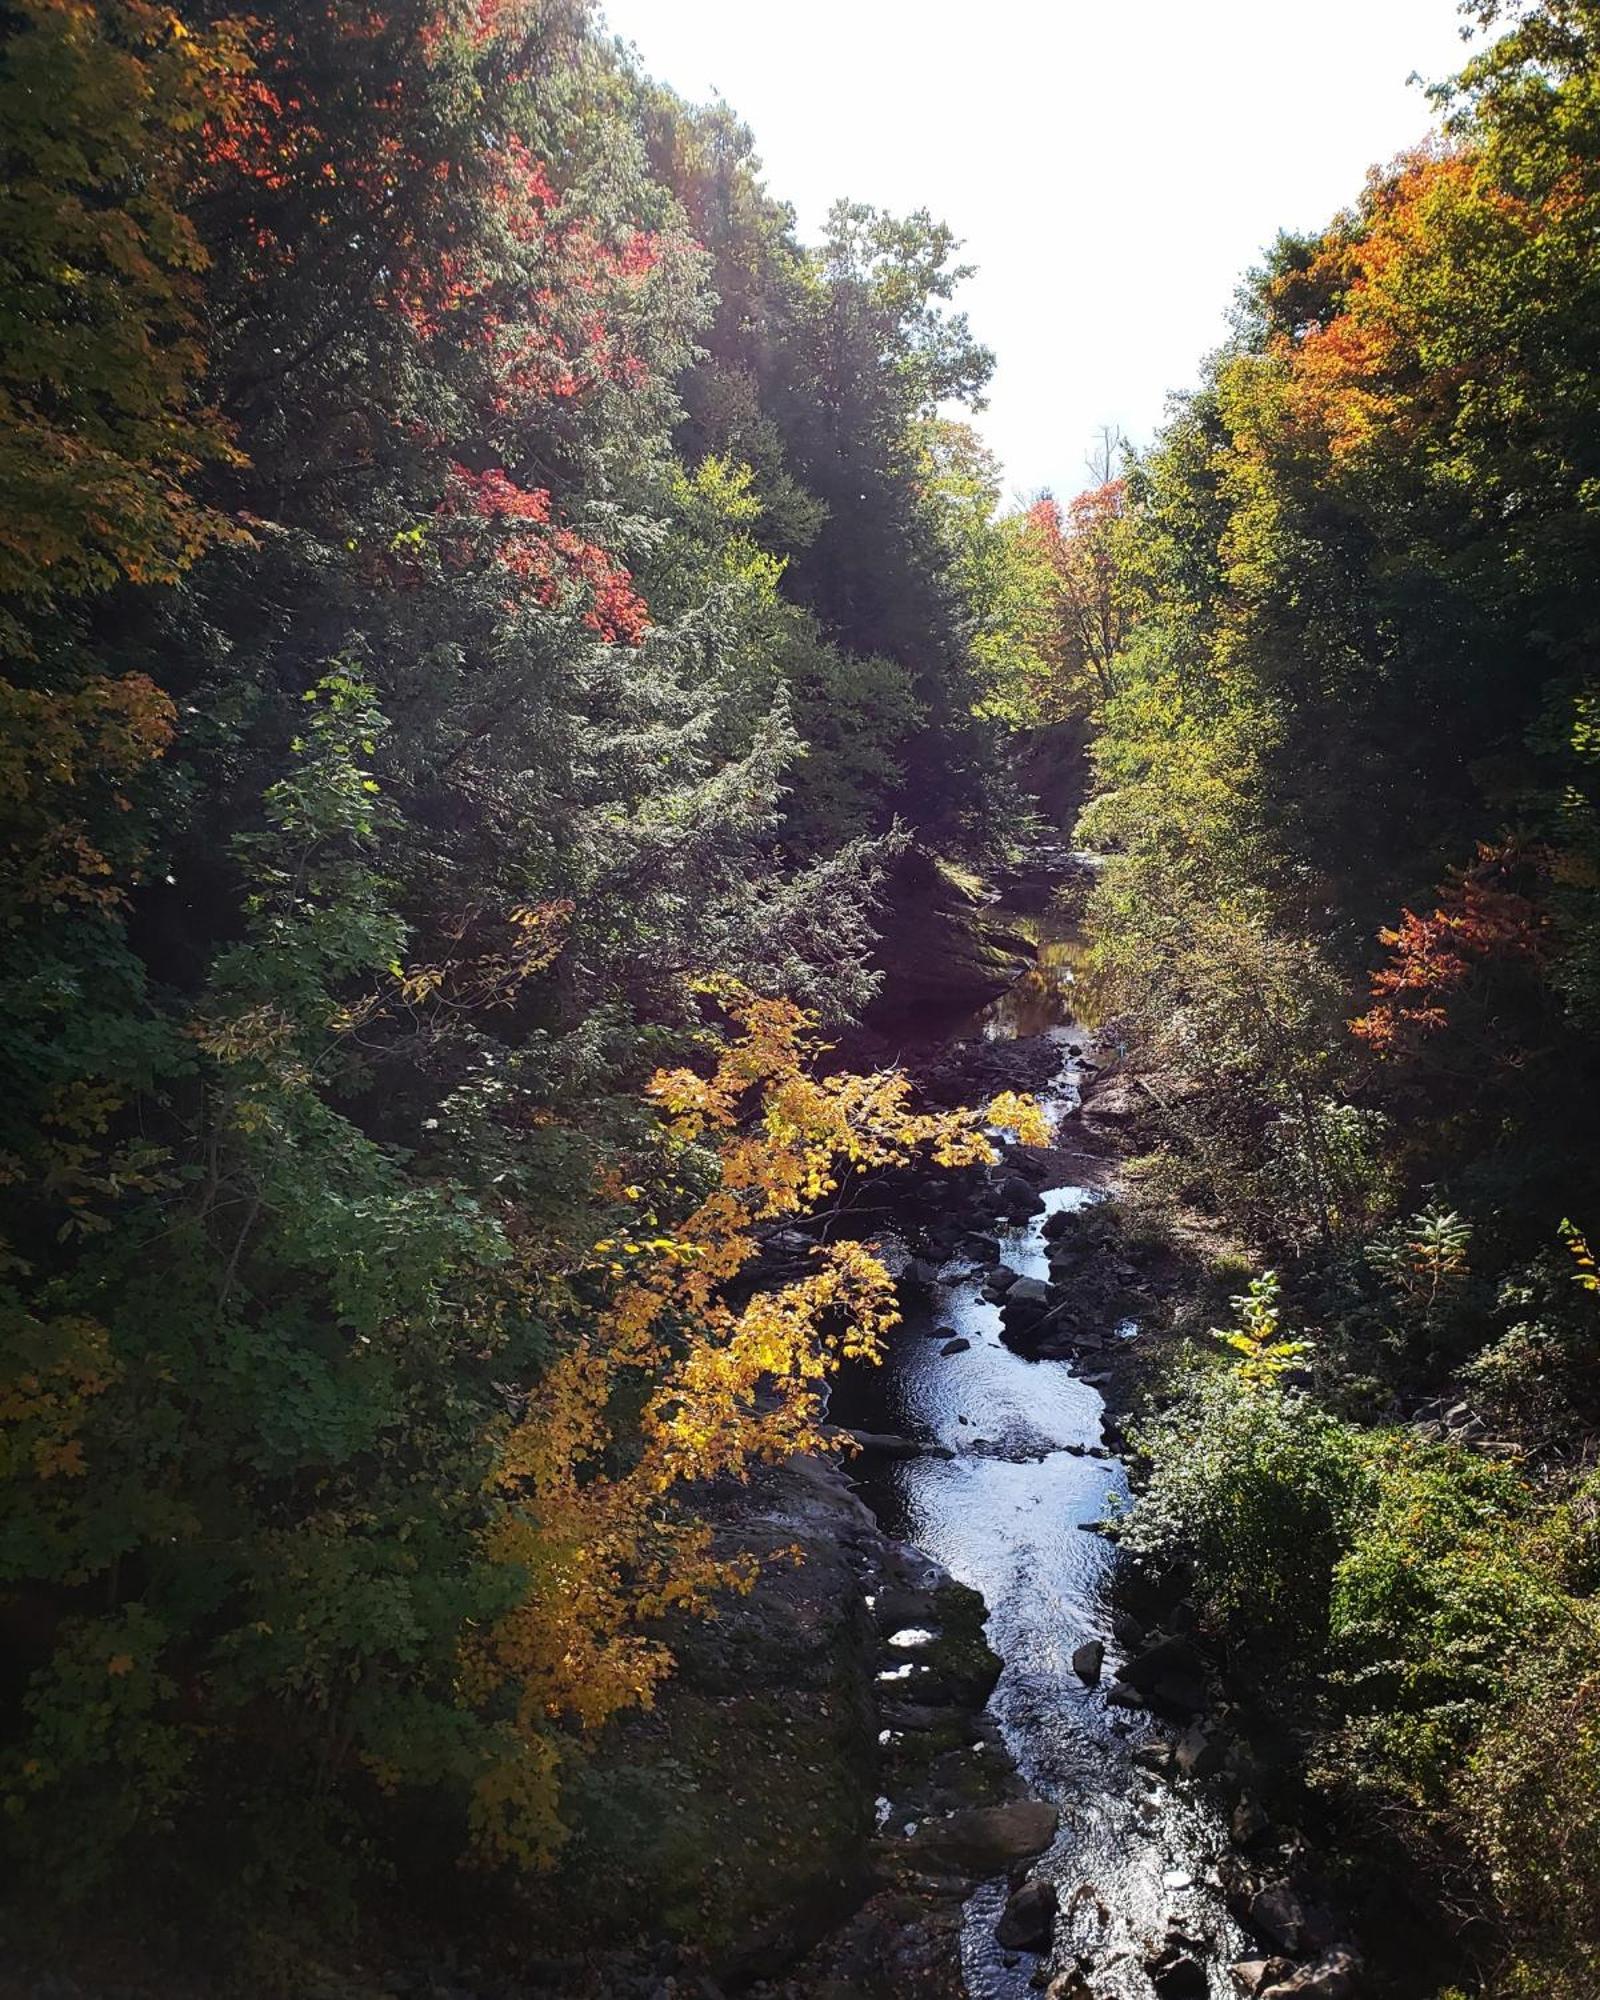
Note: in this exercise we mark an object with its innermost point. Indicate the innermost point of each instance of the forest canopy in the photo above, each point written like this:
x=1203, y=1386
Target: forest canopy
x=488, y=617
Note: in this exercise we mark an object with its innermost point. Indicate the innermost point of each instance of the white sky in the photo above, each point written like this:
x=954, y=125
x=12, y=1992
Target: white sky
x=1113, y=169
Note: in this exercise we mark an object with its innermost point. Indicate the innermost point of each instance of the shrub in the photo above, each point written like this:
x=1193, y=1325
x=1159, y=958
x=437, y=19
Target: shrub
x=1256, y=1487
x=1531, y=1803
x=1434, y=1606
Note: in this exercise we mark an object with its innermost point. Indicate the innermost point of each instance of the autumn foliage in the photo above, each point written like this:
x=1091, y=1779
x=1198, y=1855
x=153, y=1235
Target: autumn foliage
x=726, y=1384
x=1485, y=919
x=439, y=807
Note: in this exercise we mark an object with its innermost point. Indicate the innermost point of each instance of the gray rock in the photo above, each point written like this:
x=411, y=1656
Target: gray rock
x=1017, y=1198
x=1279, y=1916
x=1333, y=1977
x=1249, y=1823
x=1160, y=1658
x=1253, y=1975
x=1028, y=1921
x=1028, y=1296
x=956, y=1346
x=898, y=1604
x=1176, y=1975
x=1088, y=1659
x=1197, y=1754
x=1183, y=1694
x=987, y=1840
x=1113, y=1102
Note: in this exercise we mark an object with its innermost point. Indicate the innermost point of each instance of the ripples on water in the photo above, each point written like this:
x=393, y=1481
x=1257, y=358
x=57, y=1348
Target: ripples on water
x=1005, y=1515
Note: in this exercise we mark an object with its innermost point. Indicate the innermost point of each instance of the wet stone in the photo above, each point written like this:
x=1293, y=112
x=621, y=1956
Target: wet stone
x=1252, y=1976
x=1177, y=1974
x=1028, y=1921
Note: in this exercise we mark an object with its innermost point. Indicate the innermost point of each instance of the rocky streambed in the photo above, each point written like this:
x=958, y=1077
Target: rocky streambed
x=991, y=1448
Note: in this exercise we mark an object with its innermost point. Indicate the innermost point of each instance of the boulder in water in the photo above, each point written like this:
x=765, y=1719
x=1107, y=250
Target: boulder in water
x=999, y=1281
x=987, y=1840
x=1016, y=1198
x=920, y=1275
x=1177, y=1974
x=1028, y=1921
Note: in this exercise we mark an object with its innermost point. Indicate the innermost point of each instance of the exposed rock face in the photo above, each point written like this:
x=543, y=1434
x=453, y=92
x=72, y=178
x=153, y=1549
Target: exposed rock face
x=948, y=1818
x=941, y=952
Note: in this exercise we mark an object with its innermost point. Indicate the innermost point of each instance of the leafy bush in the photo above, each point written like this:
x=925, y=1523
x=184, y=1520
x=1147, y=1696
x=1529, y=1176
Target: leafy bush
x=1531, y=1804
x=1440, y=1596
x=1542, y=1374
x=1256, y=1487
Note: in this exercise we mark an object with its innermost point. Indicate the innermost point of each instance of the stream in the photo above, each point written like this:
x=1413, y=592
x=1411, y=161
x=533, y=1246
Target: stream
x=1134, y=1861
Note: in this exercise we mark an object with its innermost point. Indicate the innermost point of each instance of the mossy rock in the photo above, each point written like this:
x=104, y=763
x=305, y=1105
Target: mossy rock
x=965, y=1666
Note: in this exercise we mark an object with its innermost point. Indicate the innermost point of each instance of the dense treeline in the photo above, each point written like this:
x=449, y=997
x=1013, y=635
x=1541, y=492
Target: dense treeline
x=479, y=599
x=1346, y=776
x=483, y=606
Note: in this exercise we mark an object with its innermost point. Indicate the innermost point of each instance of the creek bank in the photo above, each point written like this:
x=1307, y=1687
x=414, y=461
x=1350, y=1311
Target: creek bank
x=1195, y=1718
x=1197, y=1714
x=739, y=1837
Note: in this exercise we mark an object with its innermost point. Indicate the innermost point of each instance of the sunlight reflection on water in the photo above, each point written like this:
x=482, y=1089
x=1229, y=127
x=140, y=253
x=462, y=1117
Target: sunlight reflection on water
x=1005, y=1514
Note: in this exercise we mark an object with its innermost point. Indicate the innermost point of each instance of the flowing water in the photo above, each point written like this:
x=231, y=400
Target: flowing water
x=1135, y=1855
